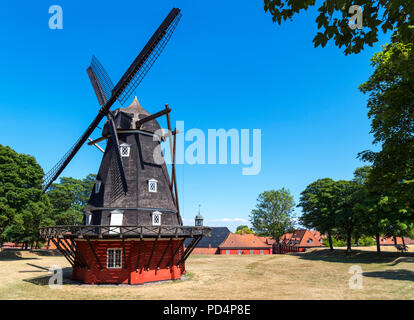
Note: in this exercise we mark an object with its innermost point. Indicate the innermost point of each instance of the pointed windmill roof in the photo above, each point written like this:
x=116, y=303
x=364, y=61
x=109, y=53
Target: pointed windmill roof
x=136, y=112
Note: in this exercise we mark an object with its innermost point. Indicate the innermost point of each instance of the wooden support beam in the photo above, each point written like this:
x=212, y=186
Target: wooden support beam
x=94, y=253
x=165, y=251
x=81, y=255
x=56, y=243
x=69, y=250
x=123, y=250
x=92, y=142
x=153, y=249
x=139, y=123
x=139, y=252
x=175, y=253
x=96, y=145
x=189, y=251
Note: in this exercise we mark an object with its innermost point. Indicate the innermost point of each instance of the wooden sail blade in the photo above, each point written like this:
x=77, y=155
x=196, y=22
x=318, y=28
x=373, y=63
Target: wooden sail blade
x=118, y=171
x=146, y=58
x=101, y=82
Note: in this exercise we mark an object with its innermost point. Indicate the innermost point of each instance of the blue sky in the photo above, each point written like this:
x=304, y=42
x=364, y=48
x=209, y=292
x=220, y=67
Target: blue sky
x=227, y=66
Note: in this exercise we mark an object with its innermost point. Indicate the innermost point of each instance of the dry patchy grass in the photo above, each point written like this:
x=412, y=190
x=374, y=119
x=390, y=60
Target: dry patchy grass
x=317, y=274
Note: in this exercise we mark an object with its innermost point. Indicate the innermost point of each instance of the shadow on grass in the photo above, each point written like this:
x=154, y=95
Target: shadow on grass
x=356, y=256
x=400, y=274
x=12, y=255
x=44, y=280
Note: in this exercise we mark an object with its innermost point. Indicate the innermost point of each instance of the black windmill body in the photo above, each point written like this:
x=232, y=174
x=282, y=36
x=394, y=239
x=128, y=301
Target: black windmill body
x=132, y=231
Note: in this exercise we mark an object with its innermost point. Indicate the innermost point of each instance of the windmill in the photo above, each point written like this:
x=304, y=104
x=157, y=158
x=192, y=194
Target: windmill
x=132, y=230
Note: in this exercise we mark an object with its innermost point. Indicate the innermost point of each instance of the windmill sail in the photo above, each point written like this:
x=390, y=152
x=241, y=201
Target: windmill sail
x=101, y=82
x=120, y=186
x=144, y=61
x=126, y=86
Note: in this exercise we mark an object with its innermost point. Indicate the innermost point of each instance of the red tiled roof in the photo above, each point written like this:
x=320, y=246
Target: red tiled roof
x=268, y=240
x=244, y=241
x=302, y=238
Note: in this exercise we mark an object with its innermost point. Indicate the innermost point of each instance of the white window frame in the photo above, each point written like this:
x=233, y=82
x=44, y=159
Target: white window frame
x=158, y=214
x=262, y=251
x=88, y=218
x=251, y=251
x=239, y=252
x=227, y=251
x=107, y=258
x=98, y=184
x=120, y=216
x=121, y=147
x=155, y=183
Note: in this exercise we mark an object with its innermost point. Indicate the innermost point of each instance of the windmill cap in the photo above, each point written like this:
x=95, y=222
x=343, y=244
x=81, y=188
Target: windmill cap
x=126, y=118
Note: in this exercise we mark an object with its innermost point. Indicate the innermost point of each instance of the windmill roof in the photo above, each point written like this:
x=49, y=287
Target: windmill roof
x=125, y=118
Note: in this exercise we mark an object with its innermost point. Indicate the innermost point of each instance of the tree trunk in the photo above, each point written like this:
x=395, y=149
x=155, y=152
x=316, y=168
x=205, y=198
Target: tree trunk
x=403, y=241
x=330, y=241
x=395, y=240
x=48, y=244
x=348, y=242
x=377, y=236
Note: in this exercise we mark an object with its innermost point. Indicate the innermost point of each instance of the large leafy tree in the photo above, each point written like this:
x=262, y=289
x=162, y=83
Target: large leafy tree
x=69, y=197
x=273, y=213
x=391, y=109
x=346, y=195
x=318, y=205
x=23, y=206
x=333, y=19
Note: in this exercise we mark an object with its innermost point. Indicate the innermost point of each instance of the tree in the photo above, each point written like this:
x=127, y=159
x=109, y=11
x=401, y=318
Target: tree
x=318, y=204
x=334, y=16
x=244, y=229
x=391, y=109
x=241, y=227
x=23, y=206
x=69, y=198
x=345, y=197
x=273, y=213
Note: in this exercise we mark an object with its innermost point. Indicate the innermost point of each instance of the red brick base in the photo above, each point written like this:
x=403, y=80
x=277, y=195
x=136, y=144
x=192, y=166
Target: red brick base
x=130, y=273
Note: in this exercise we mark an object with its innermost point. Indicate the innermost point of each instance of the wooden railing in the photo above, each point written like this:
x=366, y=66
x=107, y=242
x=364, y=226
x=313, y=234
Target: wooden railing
x=92, y=231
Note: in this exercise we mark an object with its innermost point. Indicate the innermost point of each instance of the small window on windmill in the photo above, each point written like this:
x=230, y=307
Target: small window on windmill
x=114, y=259
x=98, y=184
x=156, y=218
x=152, y=185
x=125, y=150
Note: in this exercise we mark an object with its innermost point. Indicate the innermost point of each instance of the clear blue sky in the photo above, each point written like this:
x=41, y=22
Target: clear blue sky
x=227, y=66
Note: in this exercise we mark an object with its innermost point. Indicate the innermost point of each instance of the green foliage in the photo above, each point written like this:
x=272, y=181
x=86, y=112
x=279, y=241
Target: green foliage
x=241, y=227
x=391, y=110
x=319, y=205
x=333, y=20
x=245, y=229
x=366, y=241
x=23, y=206
x=69, y=198
x=273, y=214
x=335, y=242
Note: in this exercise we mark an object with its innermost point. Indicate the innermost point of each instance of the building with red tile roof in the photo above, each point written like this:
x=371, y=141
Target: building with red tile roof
x=246, y=244
x=300, y=241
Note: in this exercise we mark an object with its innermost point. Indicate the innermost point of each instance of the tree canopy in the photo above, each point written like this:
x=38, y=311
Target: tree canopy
x=273, y=213
x=333, y=20
x=23, y=206
x=69, y=197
